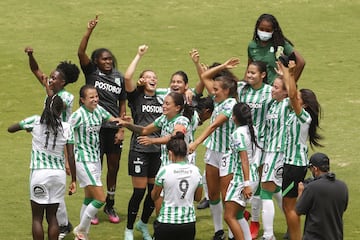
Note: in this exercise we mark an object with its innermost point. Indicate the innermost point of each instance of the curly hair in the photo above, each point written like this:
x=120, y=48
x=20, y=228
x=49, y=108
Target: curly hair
x=69, y=71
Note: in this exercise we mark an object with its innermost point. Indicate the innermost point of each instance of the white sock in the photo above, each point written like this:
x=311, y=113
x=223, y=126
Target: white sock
x=88, y=214
x=245, y=228
x=217, y=215
x=205, y=187
x=268, y=213
x=61, y=214
x=255, y=208
x=82, y=210
x=278, y=199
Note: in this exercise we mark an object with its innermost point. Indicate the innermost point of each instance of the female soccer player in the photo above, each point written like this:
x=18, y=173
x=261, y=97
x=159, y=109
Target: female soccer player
x=269, y=43
x=301, y=124
x=86, y=122
x=65, y=73
x=217, y=138
x=144, y=160
x=47, y=176
x=257, y=94
x=181, y=184
x=100, y=71
x=245, y=178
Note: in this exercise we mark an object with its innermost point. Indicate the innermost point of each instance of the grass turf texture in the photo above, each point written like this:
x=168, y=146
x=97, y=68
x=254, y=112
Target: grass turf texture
x=324, y=32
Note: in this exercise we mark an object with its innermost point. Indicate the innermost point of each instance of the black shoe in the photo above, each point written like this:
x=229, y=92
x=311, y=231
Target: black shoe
x=203, y=204
x=65, y=230
x=219, y=235
x=286, y=235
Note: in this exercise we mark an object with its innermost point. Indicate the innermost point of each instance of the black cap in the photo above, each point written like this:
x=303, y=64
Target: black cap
x=321, y=161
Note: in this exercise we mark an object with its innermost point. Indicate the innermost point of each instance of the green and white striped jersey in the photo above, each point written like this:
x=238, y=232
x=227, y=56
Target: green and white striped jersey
x=275, y=125
x=179, y=182
x=68, y=100
x=259, y=101
x=47, y=149
x=241, y=141
x=219, y=140
x=297, y=132
x=86, y=126
x=167, y=128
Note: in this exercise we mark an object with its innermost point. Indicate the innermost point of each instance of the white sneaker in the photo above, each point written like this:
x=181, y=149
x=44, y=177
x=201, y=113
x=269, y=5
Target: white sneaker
x=129, y=234
x=143, y=228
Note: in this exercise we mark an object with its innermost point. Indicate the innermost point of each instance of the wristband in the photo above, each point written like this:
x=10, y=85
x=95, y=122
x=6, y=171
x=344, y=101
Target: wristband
x=247, y=183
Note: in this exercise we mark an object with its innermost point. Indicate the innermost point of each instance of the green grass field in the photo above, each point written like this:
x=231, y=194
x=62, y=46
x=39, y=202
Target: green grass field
x=325, y=32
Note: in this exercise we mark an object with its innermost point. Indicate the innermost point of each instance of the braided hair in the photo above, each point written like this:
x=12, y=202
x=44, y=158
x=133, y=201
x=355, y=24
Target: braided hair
x=51, y=117
x=242, y=113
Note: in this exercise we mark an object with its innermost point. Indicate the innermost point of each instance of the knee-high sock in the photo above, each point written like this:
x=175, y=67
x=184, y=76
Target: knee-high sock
x=149, y=205
x=255, y=208
x=89, y=213
x=86, y=202
x=278, y=197
x=206, y=194
x=245, y=228
x=216, y=209
x=133, y=206
x=268, y=213
x=61, y=214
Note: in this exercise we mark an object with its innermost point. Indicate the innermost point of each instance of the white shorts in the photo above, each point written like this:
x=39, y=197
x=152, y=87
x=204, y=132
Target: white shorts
x=88, y=174
x=220, y=160
x=234, y=192
x=273, y=168
x=47, y=186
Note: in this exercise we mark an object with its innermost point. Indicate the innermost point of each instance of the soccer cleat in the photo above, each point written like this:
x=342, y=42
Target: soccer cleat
x=79, y=235
x=219, y=235
x=286, y=235
x=143, y=228
x=64, y=230
x=203, y=204
x=95, y=220
x=254, y=229
x=113, y=217
x=129, y=234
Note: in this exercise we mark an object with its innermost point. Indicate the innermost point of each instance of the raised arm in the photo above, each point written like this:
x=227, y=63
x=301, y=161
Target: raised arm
x=130, y=86
x=290, y=83
x=34, y=67
x=207, y=76
x=200, y=69
x=83, y=57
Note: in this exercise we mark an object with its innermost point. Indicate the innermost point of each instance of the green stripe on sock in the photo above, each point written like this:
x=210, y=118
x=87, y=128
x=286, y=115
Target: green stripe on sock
x=87, y=201
x=214, y=202
x=97, y=204
x=264, y=194
x=240, y=215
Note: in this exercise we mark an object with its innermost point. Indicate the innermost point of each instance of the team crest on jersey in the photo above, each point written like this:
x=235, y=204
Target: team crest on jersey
x=39, y=191
x=117, y=81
